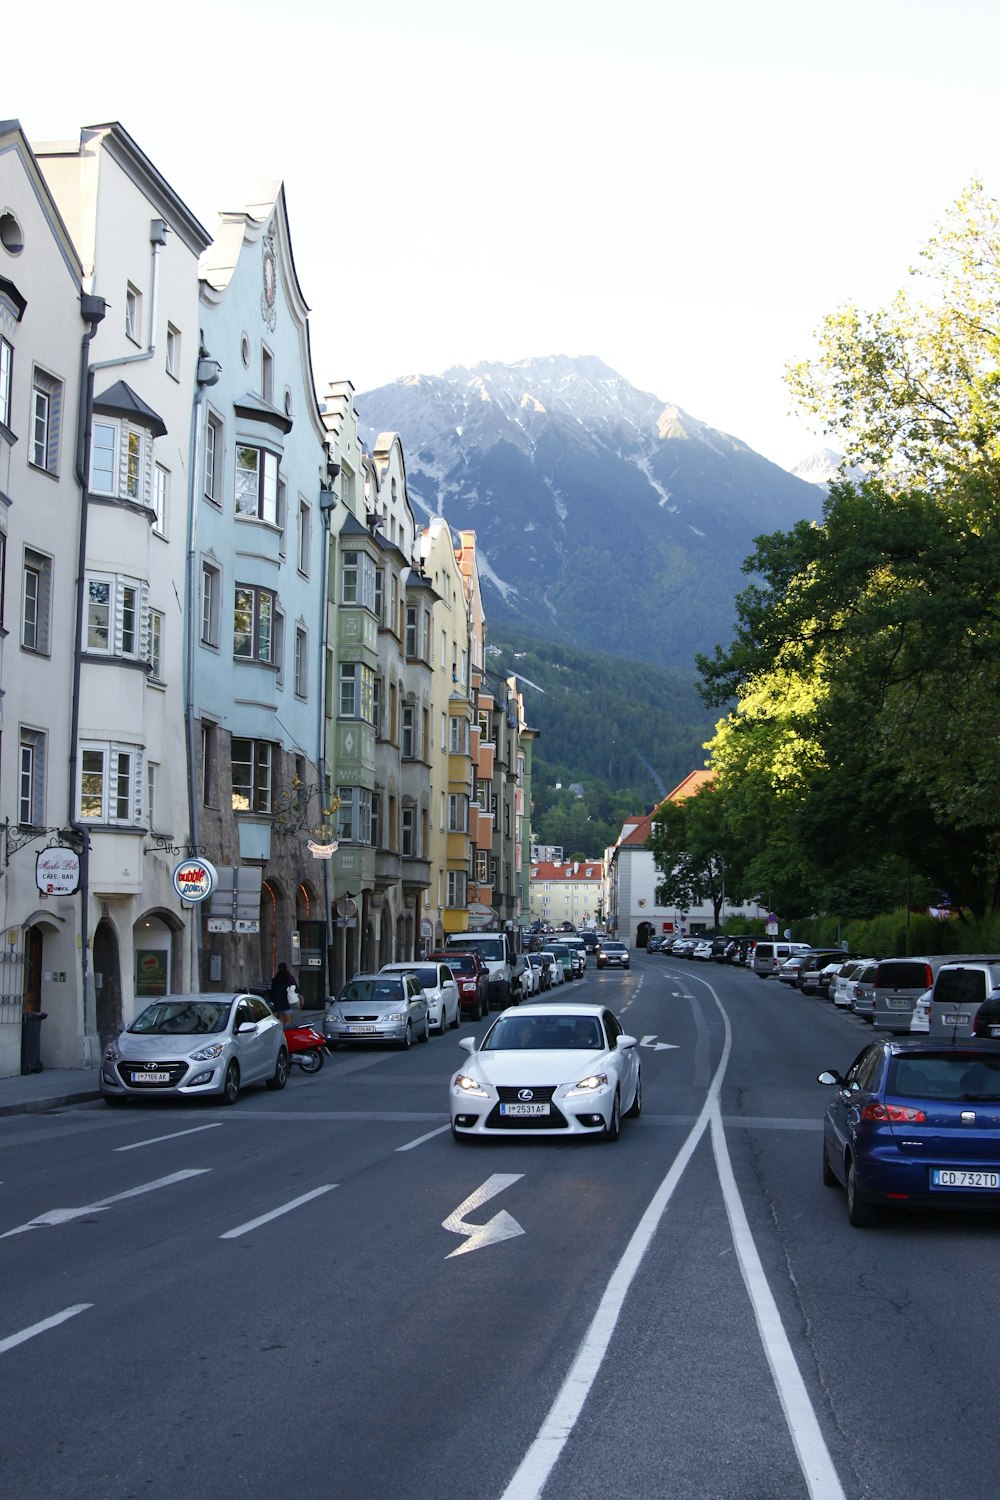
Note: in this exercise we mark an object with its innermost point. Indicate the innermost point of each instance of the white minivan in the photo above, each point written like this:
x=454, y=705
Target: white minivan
x=768, y=957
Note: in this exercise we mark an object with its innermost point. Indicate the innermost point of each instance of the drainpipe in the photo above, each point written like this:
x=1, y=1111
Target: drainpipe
x=92, y=310
x=158, y=231
x=206, y=374
x=327, y=501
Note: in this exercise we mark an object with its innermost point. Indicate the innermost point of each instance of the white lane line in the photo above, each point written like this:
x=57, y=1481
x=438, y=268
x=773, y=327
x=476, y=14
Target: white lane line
x=286, y=1208
x=800, y=1416
x=537, y=1464
x=43, y=1326
x=66, y=1215
x=421, y=1138
x=175, y=1135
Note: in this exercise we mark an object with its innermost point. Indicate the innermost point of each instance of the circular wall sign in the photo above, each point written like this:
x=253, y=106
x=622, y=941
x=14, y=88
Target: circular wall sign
x=194, y=879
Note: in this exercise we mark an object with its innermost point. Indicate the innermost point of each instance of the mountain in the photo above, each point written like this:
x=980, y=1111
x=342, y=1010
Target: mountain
x=604, y=517
x=823, y=466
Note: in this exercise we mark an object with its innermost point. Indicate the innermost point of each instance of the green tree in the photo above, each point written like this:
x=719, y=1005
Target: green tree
x=696, y=855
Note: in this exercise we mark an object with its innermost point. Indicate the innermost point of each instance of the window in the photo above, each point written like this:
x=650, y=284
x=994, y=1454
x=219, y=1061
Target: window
x=152, y=778
x=211, y=584
x=161, y=485
x=278, y=645
x=36, y=606
x=425, y=636
x=103, y=449
x=458, y=812
x=408, y=745
x=301, y=663
x=155, y=644
x=482, y=867
x=379, y=593
x=257, y=484
x=354, y=816
x=408, y=815
x=133, y=313
x=457, y=887
x=111, y=784
x=377, y=687
x=376, y=828
x=31, y=779
x=46, y=419
x=251, y=775
x=357, y=691
x=357, y=576
x=267, y=376
x=6, y=379
x=458, y=743
x=253, y=621
x=118, y=460
x=411, y=631
x=173, y=352
x=305, y=536
x=209, y=753
x=115, y=615
x=393, y=620
x=214, y=443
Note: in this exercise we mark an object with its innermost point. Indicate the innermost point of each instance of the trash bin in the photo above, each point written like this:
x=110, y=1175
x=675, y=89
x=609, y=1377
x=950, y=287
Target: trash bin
x=31, y=1040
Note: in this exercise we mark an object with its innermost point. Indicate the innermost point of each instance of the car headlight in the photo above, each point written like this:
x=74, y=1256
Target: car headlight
x=397, y=1015
x=111, y=1053
x=466, y=1085
x=588, y=1085
x=206, y=1054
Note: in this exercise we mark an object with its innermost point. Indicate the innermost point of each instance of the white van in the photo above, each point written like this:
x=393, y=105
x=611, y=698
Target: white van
x=959, y=990
x=496, y=949
x=768, y=957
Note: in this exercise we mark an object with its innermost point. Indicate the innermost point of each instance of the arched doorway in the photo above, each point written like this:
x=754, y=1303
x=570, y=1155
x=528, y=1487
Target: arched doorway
x=107, y=982
x=644, y=934
x=34, y=943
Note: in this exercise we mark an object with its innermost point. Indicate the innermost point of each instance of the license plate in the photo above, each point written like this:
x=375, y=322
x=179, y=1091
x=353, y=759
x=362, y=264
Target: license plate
x=524, y=1109
x=995, y=1031
x=955, y=1020
x=895, y=1004
x=951, y=1178
x=150, y=1077
x=361, y=1028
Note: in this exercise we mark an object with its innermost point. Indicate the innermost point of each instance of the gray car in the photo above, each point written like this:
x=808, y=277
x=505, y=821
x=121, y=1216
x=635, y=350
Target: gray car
x=196, y=1044
x=378, y=1008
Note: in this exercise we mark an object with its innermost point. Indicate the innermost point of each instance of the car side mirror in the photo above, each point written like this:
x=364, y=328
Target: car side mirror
x=829, y=1076
x=246, y=1026
x=468, y=1044
x=627, y=1041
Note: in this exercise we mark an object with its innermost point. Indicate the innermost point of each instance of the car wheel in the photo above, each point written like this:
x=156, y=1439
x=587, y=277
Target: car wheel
x=281, y=1070
x=444, y=1024
x=231, y=1085
x=407, y=1041
x=635, y=1109
x=425, y=1035
x=612, y=1129
x=829, y=1177
x=861, y=1214
x=458, y=1018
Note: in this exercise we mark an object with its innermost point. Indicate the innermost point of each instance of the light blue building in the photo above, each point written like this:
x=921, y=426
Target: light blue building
x=256, y=592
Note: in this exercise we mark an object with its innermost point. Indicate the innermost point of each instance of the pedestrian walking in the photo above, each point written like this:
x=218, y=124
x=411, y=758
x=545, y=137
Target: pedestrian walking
x=285, y=997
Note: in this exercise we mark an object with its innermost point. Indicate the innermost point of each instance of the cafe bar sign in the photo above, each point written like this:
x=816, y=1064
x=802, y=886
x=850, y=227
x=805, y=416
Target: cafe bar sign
x=57, y=871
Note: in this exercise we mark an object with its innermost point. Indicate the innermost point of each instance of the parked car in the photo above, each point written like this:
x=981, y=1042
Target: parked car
x=194, y=1045
x=590, y=940
x=553, y=1069
x=899, y=983
x=720, y=946
x=613, y=954
x=378, y=1008
x=565, y=957
x=472, y=977
x=542, y=968
x=959, y=990
x=557, y=974
x=863, y=997
x=813, y=967
x=768, y=956
x=987, y=1021
x=684, y=947
x=842, y=987
x=440, y=991
x=576, y=945
x=790, y=968
x=530, y=981
x=915, y=1124
x=703, y=950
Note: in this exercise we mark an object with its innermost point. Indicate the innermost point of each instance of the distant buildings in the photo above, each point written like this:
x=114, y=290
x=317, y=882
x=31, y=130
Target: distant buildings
x=245, y=710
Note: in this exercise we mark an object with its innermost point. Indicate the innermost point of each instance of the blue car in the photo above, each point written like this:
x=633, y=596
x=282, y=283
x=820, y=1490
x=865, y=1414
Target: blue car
x=915, y=1124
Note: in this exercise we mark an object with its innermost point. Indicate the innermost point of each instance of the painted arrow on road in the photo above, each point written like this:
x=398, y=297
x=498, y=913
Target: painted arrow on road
x=650, y=1041
x=500, y=1227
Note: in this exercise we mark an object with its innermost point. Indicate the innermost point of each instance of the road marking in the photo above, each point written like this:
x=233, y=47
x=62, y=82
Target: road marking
x=175, y=1135
x=500, y=1227
x=532, y=1473
x=650, y=1041
x=43, y=1326
x=66, y=1215
x=421, y=1138
x=803, y=1425
x=286, y=1208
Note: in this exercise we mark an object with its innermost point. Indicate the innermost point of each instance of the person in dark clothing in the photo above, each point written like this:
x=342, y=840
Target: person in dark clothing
x=279, y=993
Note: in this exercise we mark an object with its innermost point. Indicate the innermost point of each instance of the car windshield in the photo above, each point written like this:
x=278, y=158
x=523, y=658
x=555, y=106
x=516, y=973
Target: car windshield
x=613, y=947
x=427, y=977
x=372, y=989
x=946, y=1075
x=492, y=948
x=182, y=1018
x=462, y=963
x=547, y=1033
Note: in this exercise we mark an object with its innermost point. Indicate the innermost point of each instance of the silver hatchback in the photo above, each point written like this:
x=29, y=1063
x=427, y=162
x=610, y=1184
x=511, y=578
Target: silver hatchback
x=378, y=1008
x=196, y=1044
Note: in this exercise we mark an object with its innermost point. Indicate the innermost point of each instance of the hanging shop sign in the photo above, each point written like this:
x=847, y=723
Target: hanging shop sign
x=194, y=879
x=57, y=871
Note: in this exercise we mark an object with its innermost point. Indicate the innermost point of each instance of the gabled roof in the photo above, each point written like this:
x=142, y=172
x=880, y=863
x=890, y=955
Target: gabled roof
x=123, y=401
x=690, y=786
x=581, y=869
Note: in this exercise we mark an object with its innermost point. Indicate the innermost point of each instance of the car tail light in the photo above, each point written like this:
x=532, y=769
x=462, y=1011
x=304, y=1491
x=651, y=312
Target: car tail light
x=895, y=1114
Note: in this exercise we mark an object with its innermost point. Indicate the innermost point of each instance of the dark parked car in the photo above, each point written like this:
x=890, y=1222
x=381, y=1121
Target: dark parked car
x=915, y=1124
x=472, y=977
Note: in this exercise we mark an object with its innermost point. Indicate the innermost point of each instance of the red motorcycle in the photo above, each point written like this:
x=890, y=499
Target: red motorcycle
x=306, y=1046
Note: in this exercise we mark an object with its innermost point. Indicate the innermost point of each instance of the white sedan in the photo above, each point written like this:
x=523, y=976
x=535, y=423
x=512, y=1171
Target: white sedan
x=556, y=1069
x=440, y=989
x=556, y=972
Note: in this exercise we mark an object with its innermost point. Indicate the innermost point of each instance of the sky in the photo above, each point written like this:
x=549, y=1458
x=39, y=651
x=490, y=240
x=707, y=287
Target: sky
x=684, y=190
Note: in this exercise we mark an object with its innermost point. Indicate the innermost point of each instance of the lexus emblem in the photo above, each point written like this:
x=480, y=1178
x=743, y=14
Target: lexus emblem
x=525, y=1094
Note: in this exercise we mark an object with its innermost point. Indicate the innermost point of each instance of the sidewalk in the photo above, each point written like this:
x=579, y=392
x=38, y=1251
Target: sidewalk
x=55, y=1087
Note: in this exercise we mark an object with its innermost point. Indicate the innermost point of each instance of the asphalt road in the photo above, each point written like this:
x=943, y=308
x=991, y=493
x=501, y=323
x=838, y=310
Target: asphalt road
x=267, y=1300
